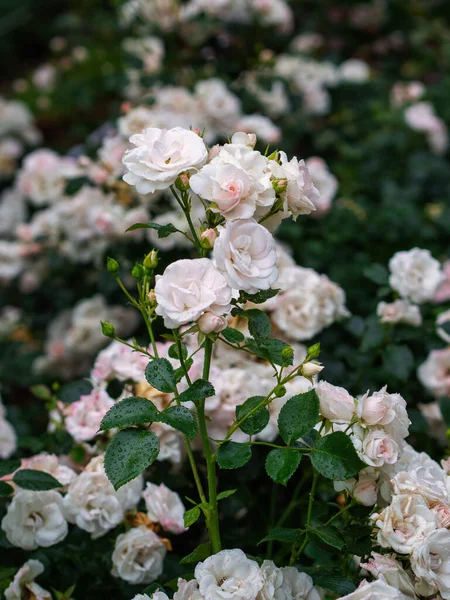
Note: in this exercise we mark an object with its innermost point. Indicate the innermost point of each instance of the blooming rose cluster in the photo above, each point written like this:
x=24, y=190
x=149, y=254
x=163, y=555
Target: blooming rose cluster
x=230, y=573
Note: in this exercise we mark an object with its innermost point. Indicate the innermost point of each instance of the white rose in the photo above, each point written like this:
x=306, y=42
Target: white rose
x=35, y=519
x=273, y=583
x=376, y=590
x=229, y=574
x=405, y=523
x=210, y=322
x=354, y=70
x=325, y=182
x=415, y=274
x=336, y=404
x=430, y=561
x=160, y=156
x=138, y=556
x=189, y=288
x=301, y=194
x=23, y=585
x=245, y=253
x=262, y=126
x=187, y=590
x=400, y=311
x=164, y=507
x=378, y=448
x=366, y=490
x=299, y=585
x=429, y=481
x=50, y=464
x=434, y=373
x=389, y=570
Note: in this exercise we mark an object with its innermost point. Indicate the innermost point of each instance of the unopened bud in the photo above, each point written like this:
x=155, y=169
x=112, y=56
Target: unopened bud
x=108, y=329
x=137, y=271
x=273, y=156
x=197, y=131
x=182, y=182
x=209, y=323
x=287, y=353
x=310, y=369
x=112, y=265
x=280, y=391
x=208, y=238
x=151, y=260
x=279, y=185
x=125, y=107
x=266, y=55
x=152, y=297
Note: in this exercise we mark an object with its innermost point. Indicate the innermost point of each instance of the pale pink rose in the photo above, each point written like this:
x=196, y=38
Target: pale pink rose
x=434, y=373
x=301, y=194
x=325, y=182
x=50, y=463
x=443, y=292
x=378, y=448
x=366, y=490
x=209, y=236
x=442, y=512
x=85, y=415
x=430, y=562
x=400, y=311
x=261, y=126
x=164, y=507
x=336, y=404
x=387, y=410
x=209, y=323
x=402, y=93
x=391, y=571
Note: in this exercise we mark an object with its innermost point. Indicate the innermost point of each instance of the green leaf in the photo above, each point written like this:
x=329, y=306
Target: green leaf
x=298, y=416
x=225, y=494
x=129, y=453
x=329, y=535
x=258, y=420
x=174, y=351
x=284, y=535
x=181, y=419
x=233, y=335
x=200, y=553
x=9, y=466
x=332, y=580
x=179, y=373
x=444, y=404
x=398, y=361
x=232, y=455
x=191, y=516
x=163, y=230
x=374, y=334
x=258, y=324
x=282, y=463
x=334, y=457
x=358, y=539
x=41, y=391
x=6, y=489
x=75, y=184
x=376, y=273
x=71, y=392
x=313, y=351
x=160, y=374
x=199, y=390
x=259, y=297
x=130, y=411
x=38, y=481
x=271, y=350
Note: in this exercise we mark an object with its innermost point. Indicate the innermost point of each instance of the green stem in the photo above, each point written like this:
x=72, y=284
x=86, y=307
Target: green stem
x=296, y=553
x=196, y=240
x=212, y=520
x=342, y=511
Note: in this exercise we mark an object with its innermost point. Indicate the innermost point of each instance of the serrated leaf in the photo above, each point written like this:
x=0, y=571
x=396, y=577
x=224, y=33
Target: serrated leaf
x=271, y=350
x=255, y=422
x=129, y=453
x=233, y=335
x=9, y=466
x=398, y=361
x=37, y=481
x=329, y=535
x=6, y=489
x=284, y=535
x=282, y=463
x=258, y=324
x=259, y=297
x=334, y=457
x=130, y=411
x=181, y=419
x=232, y=455
x=200, y=553
x=160, y=374
x=298, y=416
x=225, y=494
x=199, y=390
x=191, y=516
x=163, y=230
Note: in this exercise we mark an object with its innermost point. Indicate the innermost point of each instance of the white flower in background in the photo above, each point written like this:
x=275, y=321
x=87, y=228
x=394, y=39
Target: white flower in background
x=402, y=93
x=415, y=274
x=430, y=561
x=11, y=260
x=376, y=590
x=164, y=507
x=13, y=211
x=35, y=519
x=23, y=585
x=245, y=253
x=404, y=523
x=386, y=568
x=336, y=404
x=441, y=321
x=16, y=118
x=160, y=156
x=118, y=361
x=262, y=126
x=50, y=463
x=8, y=437
x=434, y=373
x=10, y=150
x=220, y=107
x=85, y=415
x=149, y=49
x=301, y=194
x=273, y=588
x=138, y=556
x=379, y=448
x=189, y=288
x=354, y=70
x=44, y=174
x=400, y=311
x=325, y=182
x=421, y=117
x=299, y=585
x=10, y=318
x=227, y=574
x=135, y=121
x=93, y=505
